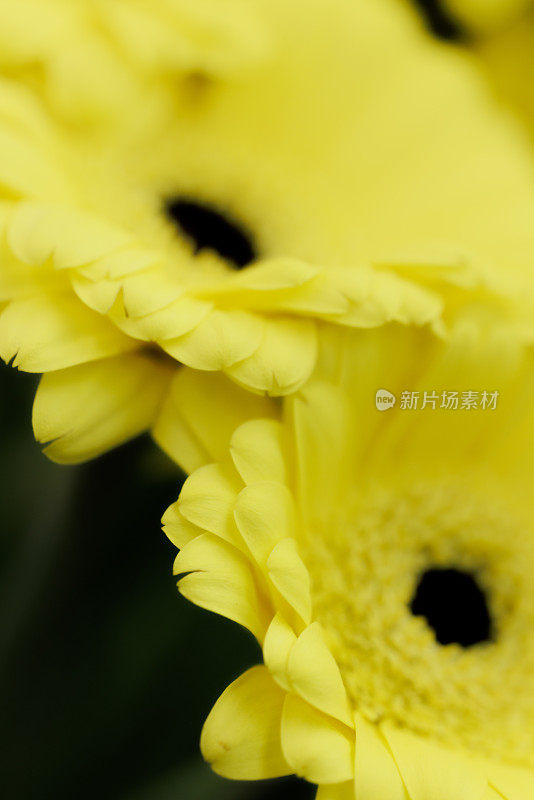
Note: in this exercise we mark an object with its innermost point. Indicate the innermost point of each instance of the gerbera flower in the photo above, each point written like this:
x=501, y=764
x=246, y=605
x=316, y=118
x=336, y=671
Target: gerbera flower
x=500, y=36
x=477, y=16
x=273, y=158
x=383, y=561
x=105, y=381
x=95, y=61
x=222, y=225
x=467, y=17
x=507, y=61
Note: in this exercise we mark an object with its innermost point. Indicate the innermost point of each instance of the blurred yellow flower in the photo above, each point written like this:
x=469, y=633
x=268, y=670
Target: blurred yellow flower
x=500, y=36
x=339, y=148
x=95, y=61
x=383, y=561
x=485, y=16
x=85, y=299
x=507, y=59
x=239, y=195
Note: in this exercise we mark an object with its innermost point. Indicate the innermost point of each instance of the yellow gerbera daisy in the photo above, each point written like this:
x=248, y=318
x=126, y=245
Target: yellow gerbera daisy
x=95, y=61
x=500, y=35
x=508, y=62
x=338, y=148
x=222, y=225
x=383, y=560
x=257, y=325
x=483, y=16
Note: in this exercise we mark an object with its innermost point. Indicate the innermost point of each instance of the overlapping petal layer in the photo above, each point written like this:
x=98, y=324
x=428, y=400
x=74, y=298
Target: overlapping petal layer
x=95, y=61
x=313, y=531
x=332, y=197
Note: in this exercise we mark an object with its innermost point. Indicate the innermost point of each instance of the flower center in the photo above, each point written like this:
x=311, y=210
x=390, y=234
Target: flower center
x=208, y=228
x=425, y=595
x=439, y=21
x=454, y=606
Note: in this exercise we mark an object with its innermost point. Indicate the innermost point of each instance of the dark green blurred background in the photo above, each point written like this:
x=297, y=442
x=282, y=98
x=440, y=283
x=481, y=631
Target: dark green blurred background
x=106, y=672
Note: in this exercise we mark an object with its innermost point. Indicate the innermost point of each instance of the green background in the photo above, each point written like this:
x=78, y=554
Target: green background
x=106, y=673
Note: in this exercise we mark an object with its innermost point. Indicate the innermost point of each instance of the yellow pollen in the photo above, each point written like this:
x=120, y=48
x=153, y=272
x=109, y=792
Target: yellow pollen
x=365, y=561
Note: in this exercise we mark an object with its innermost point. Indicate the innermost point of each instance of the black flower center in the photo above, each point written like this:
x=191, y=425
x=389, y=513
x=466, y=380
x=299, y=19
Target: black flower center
x=208, y=228
x=439, y=21
x=454, y=605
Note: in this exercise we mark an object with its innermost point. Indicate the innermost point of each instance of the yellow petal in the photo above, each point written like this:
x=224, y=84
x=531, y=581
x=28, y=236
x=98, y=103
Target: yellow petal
x=317, y=747
x=437, y=267
x=336, y=791
x=87, y=81
x=19, y=107
x=290, y=576
x=26, y=171
x=220, y=580
x=319, y=298
x=281, y=286
x=213, y=37
x=176, y=319
x=121, y=264
x=38, y=232
x=491, y=794
x=315, y=676
x=486, y=15
x=150, y=290
x=100, y=295
x=207, y=499
x=51, y=332
x=20, y=41
x=257, y=448
x=241, y=736
x=179, y=530
x=505, y=58
x=175, y=437
x=284, y=359
x=269, y=275
x=377, y=297
x=432, y=772
x=322, y=422
x=220, y=340
x=88, y=409
x=264, y=514
x=279, y=640
x=200, y=414
x=375, y=772
x=21, y=280
x=513, y=783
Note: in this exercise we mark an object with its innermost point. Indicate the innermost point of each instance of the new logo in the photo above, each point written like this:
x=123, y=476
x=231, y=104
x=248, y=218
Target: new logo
x=384, y=400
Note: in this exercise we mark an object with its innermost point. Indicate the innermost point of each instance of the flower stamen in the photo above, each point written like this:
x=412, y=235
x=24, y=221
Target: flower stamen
x=454, y=605
x=209, y=228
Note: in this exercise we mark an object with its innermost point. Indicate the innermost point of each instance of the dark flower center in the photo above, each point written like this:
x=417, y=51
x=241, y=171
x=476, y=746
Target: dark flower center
x=209, y=228
x=454, y=605
x=439, y=21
